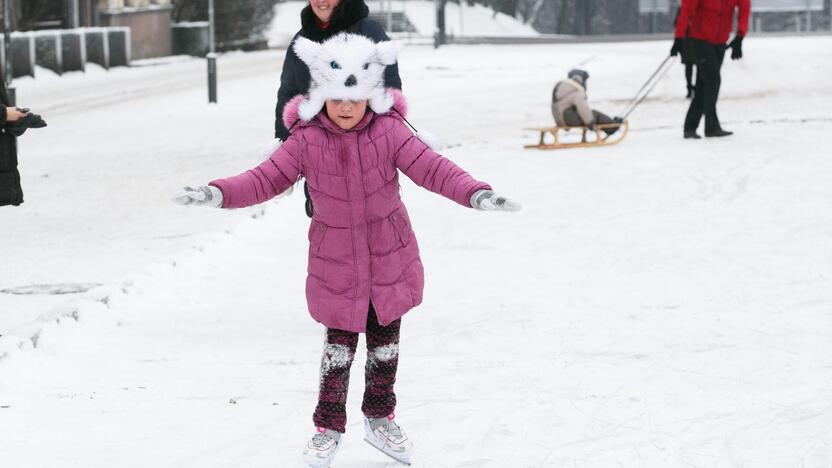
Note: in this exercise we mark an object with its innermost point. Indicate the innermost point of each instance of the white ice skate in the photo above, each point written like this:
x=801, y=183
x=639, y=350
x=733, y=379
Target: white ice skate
x=385, y=435
x=320, y=451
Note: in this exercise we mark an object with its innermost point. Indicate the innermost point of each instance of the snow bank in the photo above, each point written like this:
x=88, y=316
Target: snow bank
x=286, y=23
x=460, y=20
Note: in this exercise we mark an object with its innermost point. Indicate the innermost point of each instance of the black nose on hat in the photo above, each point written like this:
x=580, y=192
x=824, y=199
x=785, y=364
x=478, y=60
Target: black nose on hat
x=351, y=81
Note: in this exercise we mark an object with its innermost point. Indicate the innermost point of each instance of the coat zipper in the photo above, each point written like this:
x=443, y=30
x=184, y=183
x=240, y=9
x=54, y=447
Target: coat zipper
x=367, y=226
x=347, y=165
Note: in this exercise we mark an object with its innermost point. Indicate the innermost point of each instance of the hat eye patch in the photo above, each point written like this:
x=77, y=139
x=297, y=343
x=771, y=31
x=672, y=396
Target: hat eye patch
x=334, y=65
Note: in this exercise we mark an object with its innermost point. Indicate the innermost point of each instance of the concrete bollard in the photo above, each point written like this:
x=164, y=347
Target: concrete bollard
x=119, y=41
x=97, y=45
x=48, y=50
x=23, y=54
x=73, y=50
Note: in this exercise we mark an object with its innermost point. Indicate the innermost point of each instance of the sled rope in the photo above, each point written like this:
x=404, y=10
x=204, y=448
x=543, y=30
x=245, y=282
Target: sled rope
x=647, y=87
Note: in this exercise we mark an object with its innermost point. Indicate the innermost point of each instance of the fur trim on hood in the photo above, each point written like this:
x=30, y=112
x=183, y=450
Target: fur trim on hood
x=575, y=84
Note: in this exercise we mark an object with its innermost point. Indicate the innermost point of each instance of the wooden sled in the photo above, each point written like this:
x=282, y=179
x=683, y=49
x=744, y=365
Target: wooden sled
x=600, y=138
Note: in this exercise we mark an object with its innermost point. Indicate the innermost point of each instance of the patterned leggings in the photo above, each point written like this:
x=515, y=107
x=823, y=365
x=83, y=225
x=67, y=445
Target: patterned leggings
x=379, y=375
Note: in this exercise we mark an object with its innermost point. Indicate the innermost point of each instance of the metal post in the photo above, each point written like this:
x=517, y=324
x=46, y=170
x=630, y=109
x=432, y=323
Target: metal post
x=72, y=16
x=381, y=14
x=461, y=17
x=212, y=56
x=653, y=17
x=808, y=15
x=96, y=14
x=439, y=35
x=586, y=28
x=7, y=51
x=389, y=16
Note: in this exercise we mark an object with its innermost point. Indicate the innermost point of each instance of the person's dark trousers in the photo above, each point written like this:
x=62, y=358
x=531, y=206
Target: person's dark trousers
x=573, y=119
x=689, y=78
x=379, y=374
x=709, y=59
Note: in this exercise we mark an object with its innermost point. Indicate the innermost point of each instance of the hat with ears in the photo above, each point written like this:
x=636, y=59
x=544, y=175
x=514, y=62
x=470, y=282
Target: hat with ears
x=345, y=67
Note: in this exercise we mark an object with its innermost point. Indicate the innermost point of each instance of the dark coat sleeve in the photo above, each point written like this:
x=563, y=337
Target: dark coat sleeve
x=294, y=80
x=2, y=115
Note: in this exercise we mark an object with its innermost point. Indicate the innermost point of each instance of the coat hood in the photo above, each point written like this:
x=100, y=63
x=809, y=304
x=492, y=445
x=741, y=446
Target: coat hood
x=579, y=76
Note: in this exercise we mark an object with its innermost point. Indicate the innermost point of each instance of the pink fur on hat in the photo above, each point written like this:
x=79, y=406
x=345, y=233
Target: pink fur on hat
x=290, y=112
x=399, y=102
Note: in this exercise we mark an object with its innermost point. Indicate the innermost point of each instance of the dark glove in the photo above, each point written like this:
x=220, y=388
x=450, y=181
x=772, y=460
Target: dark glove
x=30, y=121
x=736, y=46
x=678, y=47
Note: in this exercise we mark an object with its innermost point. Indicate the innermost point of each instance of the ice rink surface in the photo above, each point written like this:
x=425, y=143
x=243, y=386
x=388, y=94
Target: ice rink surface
x=660, y=303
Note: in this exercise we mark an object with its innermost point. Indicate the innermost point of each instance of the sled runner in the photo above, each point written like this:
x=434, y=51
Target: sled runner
x=596, y=138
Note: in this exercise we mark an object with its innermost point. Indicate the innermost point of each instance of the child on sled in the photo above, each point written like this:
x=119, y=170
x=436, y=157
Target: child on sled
x=571, y=109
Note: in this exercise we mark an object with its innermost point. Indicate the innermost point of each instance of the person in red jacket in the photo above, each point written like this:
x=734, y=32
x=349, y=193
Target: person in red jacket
x=709, y=24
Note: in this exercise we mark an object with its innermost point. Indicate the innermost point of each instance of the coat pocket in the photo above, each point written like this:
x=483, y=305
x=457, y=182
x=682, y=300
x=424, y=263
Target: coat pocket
x=317, y=232
x=401, y=226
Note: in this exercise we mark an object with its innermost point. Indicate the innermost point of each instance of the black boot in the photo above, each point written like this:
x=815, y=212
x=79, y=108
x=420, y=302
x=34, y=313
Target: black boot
x=718, y=133
x=611, y=130
x=691, y=135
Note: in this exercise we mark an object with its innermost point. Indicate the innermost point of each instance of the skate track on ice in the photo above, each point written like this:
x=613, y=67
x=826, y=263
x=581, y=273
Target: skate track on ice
x=657, y=304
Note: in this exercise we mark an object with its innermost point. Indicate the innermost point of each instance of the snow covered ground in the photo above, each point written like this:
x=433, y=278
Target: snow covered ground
x=660, y=303
x=460, y=19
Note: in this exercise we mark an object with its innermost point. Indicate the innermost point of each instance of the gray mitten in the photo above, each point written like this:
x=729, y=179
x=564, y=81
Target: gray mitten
x=489, y=201
x=205, y=195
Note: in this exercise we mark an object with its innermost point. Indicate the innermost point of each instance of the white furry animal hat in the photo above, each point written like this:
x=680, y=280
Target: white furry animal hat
x=346, y=67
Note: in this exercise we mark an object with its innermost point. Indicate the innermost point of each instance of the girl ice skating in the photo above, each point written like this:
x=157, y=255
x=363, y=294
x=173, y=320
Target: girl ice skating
x=349, y=141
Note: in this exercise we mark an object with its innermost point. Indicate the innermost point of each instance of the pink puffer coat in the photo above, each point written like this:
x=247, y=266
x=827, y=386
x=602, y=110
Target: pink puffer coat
x=362, y=248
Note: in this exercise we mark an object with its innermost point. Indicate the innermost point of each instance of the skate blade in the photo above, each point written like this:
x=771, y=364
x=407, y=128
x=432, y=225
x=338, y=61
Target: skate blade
x=318, y=465
x=403, y=462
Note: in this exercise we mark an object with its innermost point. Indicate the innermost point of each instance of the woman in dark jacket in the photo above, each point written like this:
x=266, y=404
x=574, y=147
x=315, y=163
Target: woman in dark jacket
x=10, y=191
x=320, y=20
